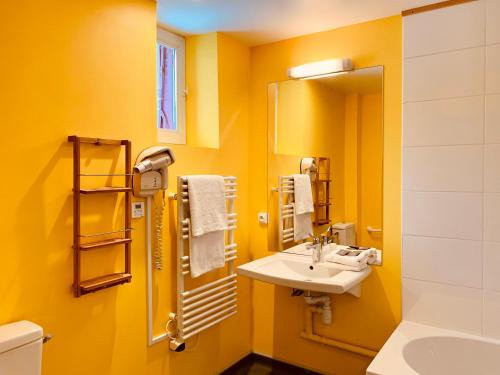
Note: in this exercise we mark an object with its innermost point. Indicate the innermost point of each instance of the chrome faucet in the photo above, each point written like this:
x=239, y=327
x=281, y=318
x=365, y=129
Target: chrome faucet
x=316, y=248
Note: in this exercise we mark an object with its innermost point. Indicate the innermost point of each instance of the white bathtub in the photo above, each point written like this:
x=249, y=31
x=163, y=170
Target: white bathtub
x=419, y=349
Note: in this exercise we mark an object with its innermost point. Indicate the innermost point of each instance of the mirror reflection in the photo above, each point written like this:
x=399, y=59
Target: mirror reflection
x=325, y=159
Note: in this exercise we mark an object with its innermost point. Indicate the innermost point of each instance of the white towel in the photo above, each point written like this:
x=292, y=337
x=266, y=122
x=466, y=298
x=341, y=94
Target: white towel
x=207, y=206
x=357, y=259
x=303, y=207
x=357, y=268
x=302, y=227
x=303, y=194
x=206, y=252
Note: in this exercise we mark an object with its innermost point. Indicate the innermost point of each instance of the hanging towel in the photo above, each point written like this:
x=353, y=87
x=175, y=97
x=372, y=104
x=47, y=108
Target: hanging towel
x=303, y=194
x=303, y=207
x=207, y=205
x=206, y=252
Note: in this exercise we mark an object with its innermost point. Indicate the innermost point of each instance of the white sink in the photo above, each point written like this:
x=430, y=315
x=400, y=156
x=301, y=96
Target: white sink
x=297, y=271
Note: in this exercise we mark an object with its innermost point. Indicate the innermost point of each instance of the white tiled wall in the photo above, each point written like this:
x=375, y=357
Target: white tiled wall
x=451, y=168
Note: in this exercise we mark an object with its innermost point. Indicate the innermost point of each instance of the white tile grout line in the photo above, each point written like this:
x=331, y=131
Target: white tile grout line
x=482, y=45
x=446, y=238
x=448, y=145
x=476, y=46
x=484, y=161
x=426, y=146
x=444, y=98
x=437, y=237
x=483, y=333
x=447, y=191
x=444, y=283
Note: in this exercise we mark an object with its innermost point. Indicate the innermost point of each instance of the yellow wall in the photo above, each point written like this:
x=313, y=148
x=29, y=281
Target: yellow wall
x=370, y=170
x=364, y=166
x=351, y=136
x=87, y=67
x=308, y=115
x=202, y=102
x=368, y=321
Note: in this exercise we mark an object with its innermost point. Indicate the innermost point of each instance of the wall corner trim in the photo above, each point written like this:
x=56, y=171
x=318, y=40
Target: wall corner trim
x=427, y=8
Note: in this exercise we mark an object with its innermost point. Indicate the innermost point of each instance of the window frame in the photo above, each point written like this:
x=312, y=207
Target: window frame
x=177, y=42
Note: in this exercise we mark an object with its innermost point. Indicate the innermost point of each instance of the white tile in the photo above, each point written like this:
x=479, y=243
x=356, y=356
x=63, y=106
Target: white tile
x=437, y=31
x=457, y=262
x=492, y=24
x=491, y=314
x=441, y=305
x=492, y=168
x=492, y=119
x=443, y=168
x=445, y=75
x=491, y=267
x=493, y=69
x=492, y=217
x=449, y=215
x=456, y=121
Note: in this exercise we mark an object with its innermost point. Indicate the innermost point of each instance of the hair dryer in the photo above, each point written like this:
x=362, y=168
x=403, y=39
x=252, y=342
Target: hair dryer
x=151, y=170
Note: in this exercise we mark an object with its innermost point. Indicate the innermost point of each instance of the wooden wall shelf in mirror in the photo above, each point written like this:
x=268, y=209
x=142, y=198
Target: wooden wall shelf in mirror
x=321, y=192
x=338, y=120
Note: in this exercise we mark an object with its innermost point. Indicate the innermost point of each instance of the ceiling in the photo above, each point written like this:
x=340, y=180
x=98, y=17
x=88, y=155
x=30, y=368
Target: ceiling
x=263, y=21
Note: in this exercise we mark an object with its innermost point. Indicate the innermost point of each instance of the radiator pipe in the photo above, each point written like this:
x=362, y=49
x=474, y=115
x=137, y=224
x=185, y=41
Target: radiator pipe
x=309, y=334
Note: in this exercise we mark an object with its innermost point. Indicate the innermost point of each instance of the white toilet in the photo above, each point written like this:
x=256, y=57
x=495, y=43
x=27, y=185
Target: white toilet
x=21, y=348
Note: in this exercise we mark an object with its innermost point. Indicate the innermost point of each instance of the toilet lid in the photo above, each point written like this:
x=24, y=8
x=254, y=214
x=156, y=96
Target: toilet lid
x=14, y=335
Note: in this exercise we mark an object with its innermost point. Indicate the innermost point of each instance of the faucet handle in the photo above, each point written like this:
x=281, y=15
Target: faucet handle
x=316, y=239
x=331, y=233
x=325, y=240
x=328, y=231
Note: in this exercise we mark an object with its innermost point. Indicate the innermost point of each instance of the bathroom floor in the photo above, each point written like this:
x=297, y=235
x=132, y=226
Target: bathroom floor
x=254, y=364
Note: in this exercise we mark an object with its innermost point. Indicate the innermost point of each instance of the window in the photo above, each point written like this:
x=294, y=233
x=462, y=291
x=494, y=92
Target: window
x=170, y=83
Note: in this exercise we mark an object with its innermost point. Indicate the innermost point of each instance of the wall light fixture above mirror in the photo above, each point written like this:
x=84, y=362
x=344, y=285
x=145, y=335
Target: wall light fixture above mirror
x=320, y=69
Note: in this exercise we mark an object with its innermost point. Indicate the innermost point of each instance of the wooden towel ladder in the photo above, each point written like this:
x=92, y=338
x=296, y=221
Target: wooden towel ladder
x=81, y=287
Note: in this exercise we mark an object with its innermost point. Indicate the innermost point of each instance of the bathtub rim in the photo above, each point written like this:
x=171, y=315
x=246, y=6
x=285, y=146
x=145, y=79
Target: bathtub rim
x=390, y=360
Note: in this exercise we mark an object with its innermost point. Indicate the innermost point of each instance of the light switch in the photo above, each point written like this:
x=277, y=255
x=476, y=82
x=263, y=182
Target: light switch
x=263, y=217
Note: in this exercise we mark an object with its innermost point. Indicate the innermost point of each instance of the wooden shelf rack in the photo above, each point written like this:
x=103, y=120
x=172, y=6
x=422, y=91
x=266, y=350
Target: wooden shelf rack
x=110, y=189
x=81, y=287
x=321, y=188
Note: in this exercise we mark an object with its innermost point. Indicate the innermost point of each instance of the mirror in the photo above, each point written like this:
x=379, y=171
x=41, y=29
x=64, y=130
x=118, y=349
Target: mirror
x=330, y=128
